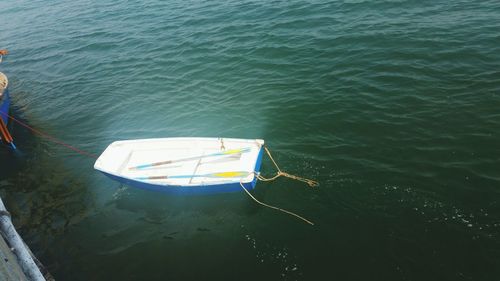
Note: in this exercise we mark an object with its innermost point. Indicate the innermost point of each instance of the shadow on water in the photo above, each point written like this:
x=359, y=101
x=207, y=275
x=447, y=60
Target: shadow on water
x=179, y=231
x=54, y=209
x=42, y=195
x=11, y=160
x=157, y=208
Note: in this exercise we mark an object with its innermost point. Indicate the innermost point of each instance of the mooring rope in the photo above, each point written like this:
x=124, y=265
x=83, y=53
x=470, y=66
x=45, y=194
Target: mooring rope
x=51, y=138
x=273, y=207
x=280, y=173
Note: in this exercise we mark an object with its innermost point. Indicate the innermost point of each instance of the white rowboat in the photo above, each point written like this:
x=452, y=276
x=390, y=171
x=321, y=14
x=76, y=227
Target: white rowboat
x=184, y=165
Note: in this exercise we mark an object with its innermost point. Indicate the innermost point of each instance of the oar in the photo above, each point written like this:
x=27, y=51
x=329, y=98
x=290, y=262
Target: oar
x=227, y=152
x=211, y=175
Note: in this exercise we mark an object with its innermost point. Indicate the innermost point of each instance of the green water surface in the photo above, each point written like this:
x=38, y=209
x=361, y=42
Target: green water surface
x=393, y=106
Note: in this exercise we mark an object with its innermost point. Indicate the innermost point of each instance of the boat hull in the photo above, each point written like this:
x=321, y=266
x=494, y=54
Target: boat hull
x=5, y=105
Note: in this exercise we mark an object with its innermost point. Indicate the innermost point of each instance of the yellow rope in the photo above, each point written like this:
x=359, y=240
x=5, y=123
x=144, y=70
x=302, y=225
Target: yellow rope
x=280, y=173
x=273, y=207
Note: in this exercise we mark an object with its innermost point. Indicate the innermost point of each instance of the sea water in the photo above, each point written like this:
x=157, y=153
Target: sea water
x=393, y=106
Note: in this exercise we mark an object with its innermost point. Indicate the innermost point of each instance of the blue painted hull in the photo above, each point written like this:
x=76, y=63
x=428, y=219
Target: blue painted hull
x=192, y=190
x=5, y=105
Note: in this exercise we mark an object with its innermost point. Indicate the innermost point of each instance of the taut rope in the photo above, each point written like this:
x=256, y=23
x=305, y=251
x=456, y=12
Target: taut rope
x=50, y=138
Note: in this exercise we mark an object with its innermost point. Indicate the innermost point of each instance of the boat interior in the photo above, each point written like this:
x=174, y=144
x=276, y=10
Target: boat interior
x=3, y=83
x=182, y=161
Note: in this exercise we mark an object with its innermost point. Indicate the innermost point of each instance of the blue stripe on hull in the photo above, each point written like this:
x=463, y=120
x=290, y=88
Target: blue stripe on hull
x=192, y=190
x=4, y=106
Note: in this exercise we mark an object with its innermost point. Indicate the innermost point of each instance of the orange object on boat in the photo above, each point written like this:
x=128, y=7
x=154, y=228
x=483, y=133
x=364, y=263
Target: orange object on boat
x=5, y=132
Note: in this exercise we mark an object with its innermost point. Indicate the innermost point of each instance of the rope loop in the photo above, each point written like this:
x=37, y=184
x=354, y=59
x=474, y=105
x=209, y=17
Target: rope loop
x=280, y=173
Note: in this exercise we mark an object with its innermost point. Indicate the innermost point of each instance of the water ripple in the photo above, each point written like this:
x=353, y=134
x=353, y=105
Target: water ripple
x=391, y=105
